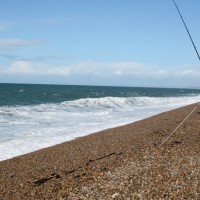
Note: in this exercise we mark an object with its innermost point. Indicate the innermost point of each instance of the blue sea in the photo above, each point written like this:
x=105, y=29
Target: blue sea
x=37, y=116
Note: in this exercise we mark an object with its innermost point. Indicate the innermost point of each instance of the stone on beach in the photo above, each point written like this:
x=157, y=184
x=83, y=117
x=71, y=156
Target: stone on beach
x=119, y=163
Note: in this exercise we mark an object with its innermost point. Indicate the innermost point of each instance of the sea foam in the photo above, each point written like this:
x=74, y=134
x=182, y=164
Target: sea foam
x=28, y=128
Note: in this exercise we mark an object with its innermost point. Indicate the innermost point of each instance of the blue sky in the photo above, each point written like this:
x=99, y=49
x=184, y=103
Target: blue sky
x=99, y=42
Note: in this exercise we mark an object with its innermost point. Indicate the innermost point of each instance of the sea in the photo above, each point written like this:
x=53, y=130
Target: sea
x=37, y=116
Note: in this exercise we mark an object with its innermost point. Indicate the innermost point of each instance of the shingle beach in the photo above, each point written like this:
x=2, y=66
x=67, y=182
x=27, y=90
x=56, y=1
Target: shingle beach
x=125, y=162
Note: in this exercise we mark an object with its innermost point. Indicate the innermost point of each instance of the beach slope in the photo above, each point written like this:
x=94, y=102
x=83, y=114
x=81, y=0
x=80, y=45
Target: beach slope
x=125, y=162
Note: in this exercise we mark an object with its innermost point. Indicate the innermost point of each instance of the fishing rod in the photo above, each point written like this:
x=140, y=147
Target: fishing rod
x=199, y=59
x=186, y=29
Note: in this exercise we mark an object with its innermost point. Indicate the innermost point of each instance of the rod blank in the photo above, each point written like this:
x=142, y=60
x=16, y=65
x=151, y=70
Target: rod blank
x=186, y=29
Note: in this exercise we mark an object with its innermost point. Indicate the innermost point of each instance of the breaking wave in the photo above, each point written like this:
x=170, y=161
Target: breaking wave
x=27, y=128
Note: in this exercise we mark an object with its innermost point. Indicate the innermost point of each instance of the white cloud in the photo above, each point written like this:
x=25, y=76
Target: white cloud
x=103, y=71
x=12, y=43
x=21, y=67
x=29, y=68
x=60, y=71
x=135, y=71
x=127, y=65
x=188, y=73
x=158, y=74
x=120, y=69
x=118, y=72
x=107, y=68
x=88, y=68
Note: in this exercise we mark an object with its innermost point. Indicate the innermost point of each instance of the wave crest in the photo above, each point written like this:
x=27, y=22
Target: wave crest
x=129, y=102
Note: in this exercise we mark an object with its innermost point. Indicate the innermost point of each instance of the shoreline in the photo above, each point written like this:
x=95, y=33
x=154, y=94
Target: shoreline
x=67, y=169
x=91, y=133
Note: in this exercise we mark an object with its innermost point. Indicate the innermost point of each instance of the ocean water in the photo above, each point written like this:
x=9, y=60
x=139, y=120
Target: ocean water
x=37, y=116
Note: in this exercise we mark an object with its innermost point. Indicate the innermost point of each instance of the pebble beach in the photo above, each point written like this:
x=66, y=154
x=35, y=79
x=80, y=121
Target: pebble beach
x=125, y=162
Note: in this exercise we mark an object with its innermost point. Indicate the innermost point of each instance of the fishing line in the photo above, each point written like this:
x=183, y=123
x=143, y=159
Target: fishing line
x=199, y=60
x=179, y=125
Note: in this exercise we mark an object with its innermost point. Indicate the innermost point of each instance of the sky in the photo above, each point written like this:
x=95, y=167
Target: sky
x=99, y=42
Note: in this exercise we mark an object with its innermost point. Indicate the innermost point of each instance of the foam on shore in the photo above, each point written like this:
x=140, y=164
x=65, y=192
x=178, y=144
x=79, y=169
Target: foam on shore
x=28, y=128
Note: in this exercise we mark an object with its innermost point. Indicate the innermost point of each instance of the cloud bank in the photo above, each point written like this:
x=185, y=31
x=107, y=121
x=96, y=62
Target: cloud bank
x=92, y=68
x=25, y=68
